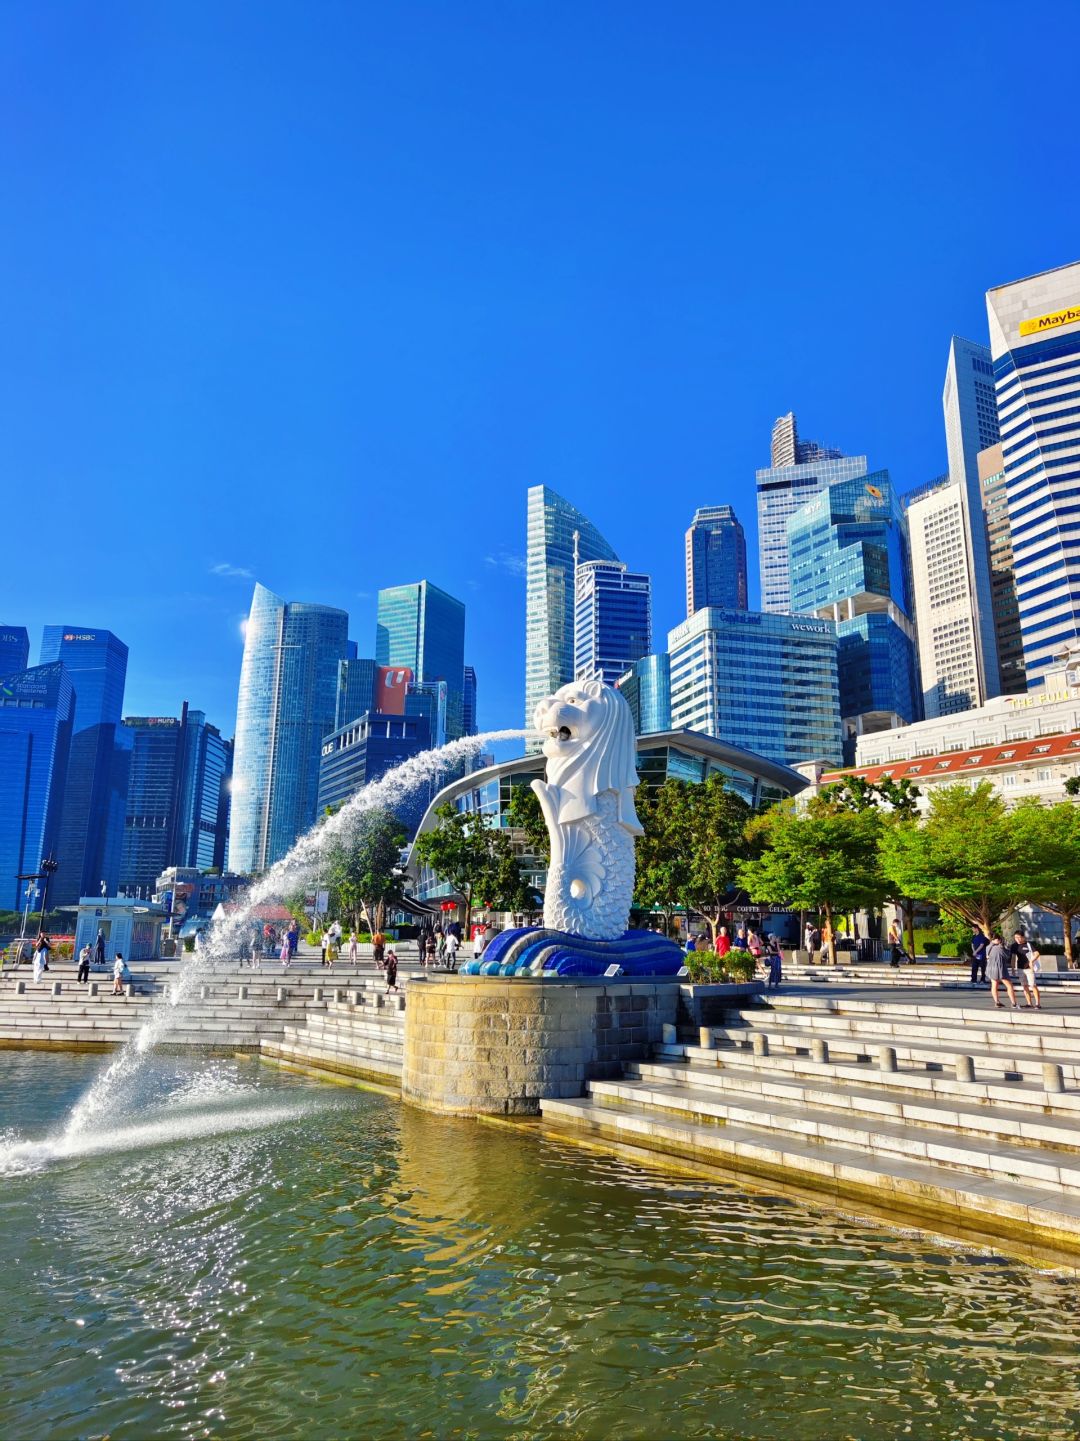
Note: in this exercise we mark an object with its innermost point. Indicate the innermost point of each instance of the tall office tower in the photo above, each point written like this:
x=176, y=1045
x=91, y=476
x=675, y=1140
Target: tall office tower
x=612, y=620
x=715, y=560
x=37, y=708
x=549, y=590
x=421, y=628
x=646, y=687
x=1012, y=679
x=850, y=563
x=766, y=683
x=788, y=449
x=285, y=706
x=1035, y=344
x=92, y=826
x=14, y=649
x=178, y=772
x=356, y=690
x=781, y=490
x=469, y=709
x=220, y=862
x=944, y=596
x=971, y=424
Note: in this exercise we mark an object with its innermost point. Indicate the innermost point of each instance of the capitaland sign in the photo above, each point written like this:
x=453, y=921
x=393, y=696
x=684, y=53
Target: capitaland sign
x=1040, y=324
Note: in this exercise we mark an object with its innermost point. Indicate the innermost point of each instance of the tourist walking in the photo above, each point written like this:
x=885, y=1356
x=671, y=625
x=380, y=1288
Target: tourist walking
x=324, y=941
x=430, y=948
x=41, y=957
x=979, y=944
x=1026, y=960
x=827, y=943
x=723, y=942
x=391, y=969
x=99, y=949
x=774, y=959
x=85, y=957
x=256, y=952
x=739, y=941
x=294, y=938
x=452, y=944
x=997, y=971
x=378, y=949
x=118, y=975
x=354, y=948
x=286, y=954
x=896, y=945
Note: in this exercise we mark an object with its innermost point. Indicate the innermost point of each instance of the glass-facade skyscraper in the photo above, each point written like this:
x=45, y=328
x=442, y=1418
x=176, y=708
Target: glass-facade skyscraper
x=767, y=683
x=422, y=628
x=646, y=687
x=849, y=562
x=781, y=490
x=14, y=649
x=285, y=706
x=469, y=719
x=37, y=708
x=971, y=425
x=356, y=690
x=549, y=589
x=612, y=620
x=1035, y=345
x=92, y=827
x=715, y=560
x=1010, y=643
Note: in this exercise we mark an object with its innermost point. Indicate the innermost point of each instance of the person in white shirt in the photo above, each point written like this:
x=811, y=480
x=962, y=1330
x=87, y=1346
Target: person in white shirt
x=452, y=944
x=118, y=975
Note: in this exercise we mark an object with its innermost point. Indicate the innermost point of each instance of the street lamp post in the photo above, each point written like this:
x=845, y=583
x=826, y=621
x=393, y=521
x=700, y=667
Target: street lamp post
x=48, y=870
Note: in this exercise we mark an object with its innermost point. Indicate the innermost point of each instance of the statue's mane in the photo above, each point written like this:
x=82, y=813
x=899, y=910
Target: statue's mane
x=606, y=762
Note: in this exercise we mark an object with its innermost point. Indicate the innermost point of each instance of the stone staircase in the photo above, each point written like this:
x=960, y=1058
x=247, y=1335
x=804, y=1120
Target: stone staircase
x=964, y=1119
x=361, y=1037
x=946, y=974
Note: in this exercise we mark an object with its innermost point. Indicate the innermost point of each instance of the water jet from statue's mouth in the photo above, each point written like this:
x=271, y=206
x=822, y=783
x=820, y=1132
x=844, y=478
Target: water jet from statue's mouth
x=562, y=734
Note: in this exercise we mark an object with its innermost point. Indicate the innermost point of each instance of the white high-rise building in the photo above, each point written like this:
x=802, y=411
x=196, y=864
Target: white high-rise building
x=944, y=593
x=1035, y=343
x=970, y=426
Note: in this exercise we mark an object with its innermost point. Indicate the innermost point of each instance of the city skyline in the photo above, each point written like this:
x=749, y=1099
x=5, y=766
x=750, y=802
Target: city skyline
x=506, y=286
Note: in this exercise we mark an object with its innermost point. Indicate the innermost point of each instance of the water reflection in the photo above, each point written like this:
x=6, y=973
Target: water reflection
x=367, y=1269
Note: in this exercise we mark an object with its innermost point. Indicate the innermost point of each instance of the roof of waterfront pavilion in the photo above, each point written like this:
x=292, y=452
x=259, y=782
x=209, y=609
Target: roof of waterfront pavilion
x=661, y=755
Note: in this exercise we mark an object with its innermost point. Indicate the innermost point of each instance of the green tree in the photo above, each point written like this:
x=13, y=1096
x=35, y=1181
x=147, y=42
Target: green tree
x=662, y=854
x=820, y=857
x=966, y=856
x=363, y=870
x=478, y=860
x=1049, y=837
x=526, y=816
x=898, y=803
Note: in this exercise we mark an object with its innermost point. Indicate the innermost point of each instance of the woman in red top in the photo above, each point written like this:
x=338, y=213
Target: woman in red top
x=723, y=942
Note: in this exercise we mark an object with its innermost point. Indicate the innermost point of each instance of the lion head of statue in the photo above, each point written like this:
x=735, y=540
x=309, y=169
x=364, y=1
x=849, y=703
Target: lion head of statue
x=590, y=748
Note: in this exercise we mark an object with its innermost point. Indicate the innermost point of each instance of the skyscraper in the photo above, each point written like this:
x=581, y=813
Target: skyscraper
x=205, y=774
x=92, y=826
x=971, y=425
x=1012, y=679
x=715, y=560
x=469, y=713
x=37, y=707
x=1035, y=345
x=646, y=687
x=612, y=620
x=549, y=589
x=422, y=628
x=946, y=627
x=14, y=649
x=356, y=690
x=285, y=706
x=850, y=563
x=781, y=490
x=785, y=702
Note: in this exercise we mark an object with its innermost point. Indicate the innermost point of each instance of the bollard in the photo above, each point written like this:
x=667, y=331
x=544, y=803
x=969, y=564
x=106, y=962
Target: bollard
x=1053, y=1077
x=57, y=987
x=706, y=1040
x=400, y=1002
x=668, y=1034
x=886, y=1058
x=760, y=1043
x=358, y=998
x=204, y=993
x=242, y=993
x=20, y=988
x=965, y=1068
x=380, y=1001
x=129, y=990
x=282, y=993
x=93, y=988
x=819, y=1049
x=339, y=995
x=318, y=993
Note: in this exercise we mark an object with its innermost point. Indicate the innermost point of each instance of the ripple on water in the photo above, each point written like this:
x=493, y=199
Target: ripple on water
x=349, y=1266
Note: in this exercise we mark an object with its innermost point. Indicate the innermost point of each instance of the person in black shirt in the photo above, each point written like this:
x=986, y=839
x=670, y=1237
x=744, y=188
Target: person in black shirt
x=979, y=944
x=1024, y=956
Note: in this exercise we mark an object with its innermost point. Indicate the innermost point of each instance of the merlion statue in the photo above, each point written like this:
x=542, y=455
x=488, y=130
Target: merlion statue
x=588, y=804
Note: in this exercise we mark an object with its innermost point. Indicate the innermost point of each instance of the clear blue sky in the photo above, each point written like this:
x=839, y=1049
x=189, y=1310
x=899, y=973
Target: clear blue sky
x=313, y=292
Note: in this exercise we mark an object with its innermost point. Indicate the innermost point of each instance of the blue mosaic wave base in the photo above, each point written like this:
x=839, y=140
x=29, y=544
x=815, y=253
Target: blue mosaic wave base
x=534, y=948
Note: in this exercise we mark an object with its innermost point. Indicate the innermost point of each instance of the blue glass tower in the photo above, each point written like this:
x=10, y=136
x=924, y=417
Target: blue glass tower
x=715, y=560
x=647, y=688
x=14, y=649
x=286, y=704
x=612, y=620
x=423, y=628
x=92, y=827
x=37, y=707
x=849, y=562
x=356, y=690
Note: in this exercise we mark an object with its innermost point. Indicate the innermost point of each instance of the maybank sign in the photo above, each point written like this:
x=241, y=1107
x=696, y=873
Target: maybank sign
x=1054, y=321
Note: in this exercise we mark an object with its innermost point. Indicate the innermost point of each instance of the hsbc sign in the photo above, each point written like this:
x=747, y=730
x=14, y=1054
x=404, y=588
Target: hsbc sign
x=72, y=636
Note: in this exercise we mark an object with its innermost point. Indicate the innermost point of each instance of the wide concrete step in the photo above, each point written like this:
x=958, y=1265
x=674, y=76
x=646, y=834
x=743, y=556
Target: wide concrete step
x=992, y=1204
x=1052, y=1171
x=333, y=1061
x=1051, y=1017
x=1051, y=1125
x=1031, y=1034
x=734, y=1069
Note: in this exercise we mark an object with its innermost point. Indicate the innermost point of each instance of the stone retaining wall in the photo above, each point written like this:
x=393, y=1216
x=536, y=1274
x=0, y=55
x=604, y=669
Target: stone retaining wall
x=497, y=1045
